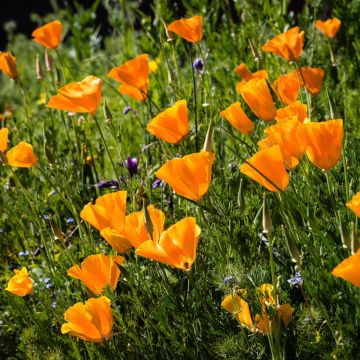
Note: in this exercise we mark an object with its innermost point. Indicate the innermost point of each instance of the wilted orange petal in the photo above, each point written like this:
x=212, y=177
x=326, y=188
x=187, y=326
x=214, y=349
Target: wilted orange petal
x=4, y=139
x=286, y=312
x=329, y=27
x=237, y=118
x=188, y=29
x=235, y=305
x=22, y=155
x=349, y=269
x=48, y=35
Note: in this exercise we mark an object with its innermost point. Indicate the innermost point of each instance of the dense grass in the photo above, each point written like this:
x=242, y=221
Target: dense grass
x=161, y=312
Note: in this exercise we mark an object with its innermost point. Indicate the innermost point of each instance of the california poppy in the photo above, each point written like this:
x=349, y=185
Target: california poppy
x=245, y=73
x=354, y=204
x=97, y=271
x=323, y=142
x=171, y=125
x=266, y=143
x=22, y=155
x=287, y=45
x=236, y=116
x=285, y=134
x=294, y=109
x=8, y=65
x=257, y=95
x=287, y=88
x=82, y=97
x=267, y=165
x=20, y=284
x=92, y=321
x=176, y=247
x=4, y=139
x=188, y=29
x=48, y=35
x=311, y=78
x=134, y=76
x=349, y=269
x=329, y=28
x=189, y=176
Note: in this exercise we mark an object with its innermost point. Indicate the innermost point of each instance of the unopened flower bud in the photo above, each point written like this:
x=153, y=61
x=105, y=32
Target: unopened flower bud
x=266, y=218
x=354, y=239
x=39, y=73
x=48, y=62
x=345, y=238
x=107, y=113
x=208, y=138
x=241, y=197
x=254, y=50
x=293, y=249
x=148, y=222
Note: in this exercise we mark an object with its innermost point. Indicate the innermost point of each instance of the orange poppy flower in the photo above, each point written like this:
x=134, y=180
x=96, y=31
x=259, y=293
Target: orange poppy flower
x=266, y=143
x=108, y=217
x=8, y=65
x=285, y=134
x=245, y=73
x=171, y=125
x=312, y=77
x=97, y=271
x=48, y=35
x=92, y=321
x=349, y=269
x=269, y=165
x=189, y=176
x=287, y=45
x=237, y=306
x=20, y=284
x=188, y=29
x=236, y=116
x=287, y=88
x=82, y=97
x=176, y=247
x=354, y=204
x=4, y=139
x=329, y=27
x=22, y=155
x=257, y=95
x=134, y=76
x=294, y=109
x=323, y=142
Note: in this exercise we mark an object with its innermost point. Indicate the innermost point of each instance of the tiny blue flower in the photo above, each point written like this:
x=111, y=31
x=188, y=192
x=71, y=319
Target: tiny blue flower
x=70, y=220
x=229, y=280
x=198, y=65
x=296, y=280
x=127, y=109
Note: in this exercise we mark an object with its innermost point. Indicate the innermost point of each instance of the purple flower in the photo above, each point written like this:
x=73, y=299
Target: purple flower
x=198, y=65
x=132, y=165
x=70, y=220
x=127, y=109
x=229, y=280
x=23, y=253
x=103, y=184
x=296, y=280
x=156, y=183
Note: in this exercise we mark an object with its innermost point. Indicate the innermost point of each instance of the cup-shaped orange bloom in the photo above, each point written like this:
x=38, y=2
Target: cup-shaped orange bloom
x=134, y=76
x=236, y=116
x=189, y=176
x=22, y=155
x=311, y=78
x=323, y=142
x=82, y=97
x=4, y=139
x=329, y=27
x=354, y=204
x=288, y=45
x=188, y=29
x=97, y=271
x=245, y=73
x=294, y=109
x=107, y=215
x=268, y=169
x=349, y=269
x=285, y=134
x=266, y=143
x=171, y=125
x=92, y=321
x=48, y=35
x=287, y=88
x=257, y=95
x=20, y=284
x=177, y=245
x=8, y=65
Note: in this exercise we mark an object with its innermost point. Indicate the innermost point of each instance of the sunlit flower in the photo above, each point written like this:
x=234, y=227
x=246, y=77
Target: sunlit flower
x=97, y=271
x=82, y=97
x=188, y=29
x=153, y=65
x=323, y=142
x=349, y=269
x=257, y=95
x=312, y=78
x=176, y=246
x=4, y=139
x=20, y=284
x=287, y=45
x=236, y=116
x=189, y=176
x=171, y=125
x=22, y=155
x=48, y=35
x=354, y=204
x=8, y=65
x=287, y=88
x=329, y=28
x=92, y=321
x=134, y=76
x=245, y=73
x=294, y=109
x=267, y=168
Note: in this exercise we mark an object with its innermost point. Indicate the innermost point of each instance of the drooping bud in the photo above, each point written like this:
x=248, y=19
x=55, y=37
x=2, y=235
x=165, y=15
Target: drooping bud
x=345, y=238
x=254, y=50
x=147, y=219
x=107, y=113
x=293, y=249
x=48, y=61
x=39, y=73
x=266, y=218
x=208, y=138
x=354, y=239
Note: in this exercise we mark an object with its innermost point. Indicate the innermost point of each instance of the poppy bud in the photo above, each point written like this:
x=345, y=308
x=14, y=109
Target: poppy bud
x=48, y=62
x=293, y=249
x=39, y=73
x=107, y=113
x=148, y=221
x=208, y=140
x=266, y=218
x=241, y=197
x=354, y=239
x=254, y=50
x=343, y=233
